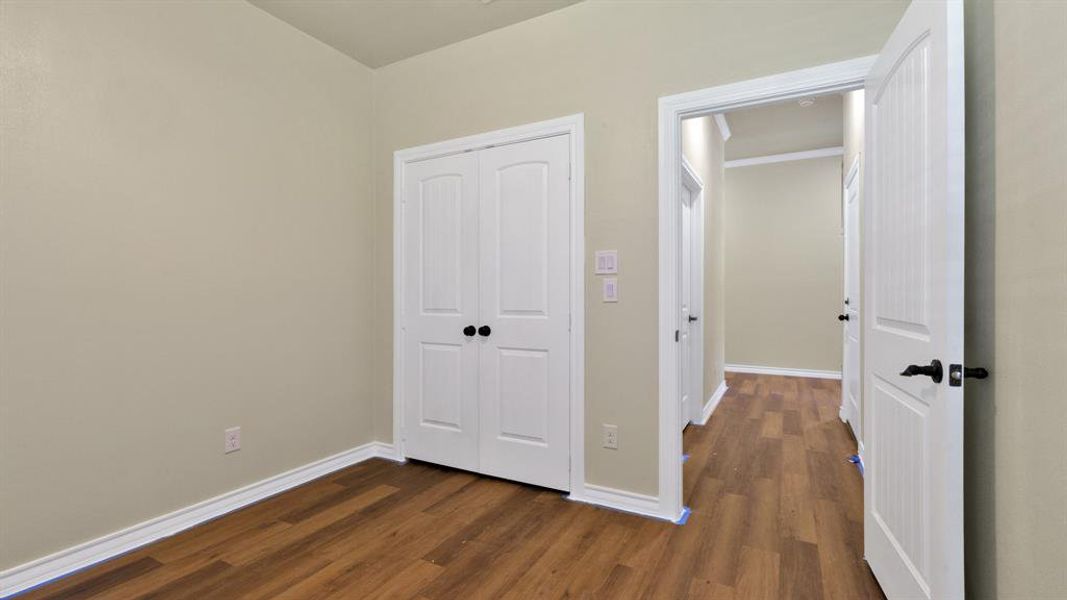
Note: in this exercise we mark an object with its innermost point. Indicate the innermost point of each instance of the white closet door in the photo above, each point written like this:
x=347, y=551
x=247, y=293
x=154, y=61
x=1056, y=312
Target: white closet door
x=440, y=299
x=525, y=288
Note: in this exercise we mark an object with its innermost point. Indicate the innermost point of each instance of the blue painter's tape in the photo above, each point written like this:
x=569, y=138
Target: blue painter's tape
x=856, y=460
x=685, y=516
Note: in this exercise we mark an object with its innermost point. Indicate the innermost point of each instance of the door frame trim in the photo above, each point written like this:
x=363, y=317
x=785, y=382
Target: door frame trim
x=828, y=78
x=573, y=126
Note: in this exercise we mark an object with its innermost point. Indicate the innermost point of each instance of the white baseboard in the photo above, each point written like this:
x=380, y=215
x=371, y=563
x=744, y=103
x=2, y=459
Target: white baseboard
x=631, y=502
x=845, y=413
x=712, y=403
x=783, y=371
x=387, y=451
x=65, y=562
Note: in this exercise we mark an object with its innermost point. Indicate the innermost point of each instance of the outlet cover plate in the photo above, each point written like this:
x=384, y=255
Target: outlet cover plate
x=232, y=440
x=611, y=437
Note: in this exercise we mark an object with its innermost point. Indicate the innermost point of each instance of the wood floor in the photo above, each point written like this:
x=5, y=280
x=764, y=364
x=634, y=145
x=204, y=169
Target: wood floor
x=777, y=513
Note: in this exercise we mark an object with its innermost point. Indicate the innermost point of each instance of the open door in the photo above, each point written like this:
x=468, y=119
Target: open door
x=850, y=312
x=690, y=332
x=913, y=313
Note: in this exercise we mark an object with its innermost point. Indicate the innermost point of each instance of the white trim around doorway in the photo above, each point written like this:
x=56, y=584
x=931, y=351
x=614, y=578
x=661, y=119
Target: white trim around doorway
x=825, y=79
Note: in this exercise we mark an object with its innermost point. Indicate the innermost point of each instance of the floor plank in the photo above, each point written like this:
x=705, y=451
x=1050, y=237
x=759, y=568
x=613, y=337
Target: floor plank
x=776, y=512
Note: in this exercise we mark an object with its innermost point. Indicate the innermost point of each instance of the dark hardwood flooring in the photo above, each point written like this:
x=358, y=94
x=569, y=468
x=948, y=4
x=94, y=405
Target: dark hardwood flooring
x=776, y=513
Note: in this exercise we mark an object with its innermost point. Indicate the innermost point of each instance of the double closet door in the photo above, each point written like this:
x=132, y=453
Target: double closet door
x=485, y=322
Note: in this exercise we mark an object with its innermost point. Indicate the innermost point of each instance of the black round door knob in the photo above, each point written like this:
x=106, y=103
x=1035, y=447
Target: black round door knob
x=484, y=331
x=842, y=317
x=469, y=331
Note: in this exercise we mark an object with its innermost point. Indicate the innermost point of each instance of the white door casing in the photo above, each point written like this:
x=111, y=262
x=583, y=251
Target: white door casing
x=913, y=305
x=813, y=81
x=440, y=228
x=850, y=371
x=690, y=295
x=524, y=300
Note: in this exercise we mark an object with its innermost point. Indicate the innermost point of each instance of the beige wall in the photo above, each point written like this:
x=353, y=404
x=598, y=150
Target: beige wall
x=185, y=246
x=1016, y=422
x=611, y=61
x=703, y=147
x=784, y=264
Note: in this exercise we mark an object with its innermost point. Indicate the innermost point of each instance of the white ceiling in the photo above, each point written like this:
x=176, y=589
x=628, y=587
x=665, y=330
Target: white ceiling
x=785, y=127
x=379, y=32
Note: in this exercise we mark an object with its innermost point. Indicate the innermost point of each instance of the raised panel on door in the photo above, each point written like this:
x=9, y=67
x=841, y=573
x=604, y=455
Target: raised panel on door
x=525, y=290
x=913, y=305
x=440, y=282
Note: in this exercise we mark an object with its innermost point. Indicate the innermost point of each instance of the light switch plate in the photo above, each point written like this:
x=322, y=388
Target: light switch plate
x=607, y=262
x=611, y=289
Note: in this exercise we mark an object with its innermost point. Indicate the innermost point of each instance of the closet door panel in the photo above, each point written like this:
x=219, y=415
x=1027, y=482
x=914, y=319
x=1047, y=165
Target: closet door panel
x=524, y=295
x=440, y=283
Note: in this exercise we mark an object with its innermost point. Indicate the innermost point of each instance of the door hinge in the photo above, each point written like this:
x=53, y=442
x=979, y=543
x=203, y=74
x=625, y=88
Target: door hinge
x=676, y=334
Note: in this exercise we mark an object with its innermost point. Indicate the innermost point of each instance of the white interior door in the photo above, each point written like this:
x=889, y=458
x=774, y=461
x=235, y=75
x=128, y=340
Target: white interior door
x=525, y=291
x=850, y=375
x=690, y=295
x=440, y=227
x=685, y=295
x=913, y=305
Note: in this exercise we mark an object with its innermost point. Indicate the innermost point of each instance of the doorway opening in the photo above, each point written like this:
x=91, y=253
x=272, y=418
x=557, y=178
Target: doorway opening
x=772, y=425
x=704, y=116
x=910, y=414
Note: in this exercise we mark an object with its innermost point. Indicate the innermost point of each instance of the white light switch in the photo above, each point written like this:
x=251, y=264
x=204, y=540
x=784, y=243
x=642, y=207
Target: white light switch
x=611, y=289
x=607, y=262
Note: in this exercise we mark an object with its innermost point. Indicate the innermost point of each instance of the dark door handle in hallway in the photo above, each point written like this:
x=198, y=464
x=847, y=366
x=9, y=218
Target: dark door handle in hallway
x=842, y=317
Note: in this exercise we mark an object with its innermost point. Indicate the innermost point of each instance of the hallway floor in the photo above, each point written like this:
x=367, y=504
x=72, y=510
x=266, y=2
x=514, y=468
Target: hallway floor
x=777, y=512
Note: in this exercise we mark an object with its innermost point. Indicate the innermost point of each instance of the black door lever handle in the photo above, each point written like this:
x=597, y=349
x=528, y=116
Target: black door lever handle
x=957, y=373
x=469, y=331
x=842, y=317
x=692, y=318
x=484, y=331
x=933, y=371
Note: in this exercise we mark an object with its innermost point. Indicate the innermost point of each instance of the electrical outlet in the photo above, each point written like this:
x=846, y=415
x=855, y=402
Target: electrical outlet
x=611, y=437
x=232, y=440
